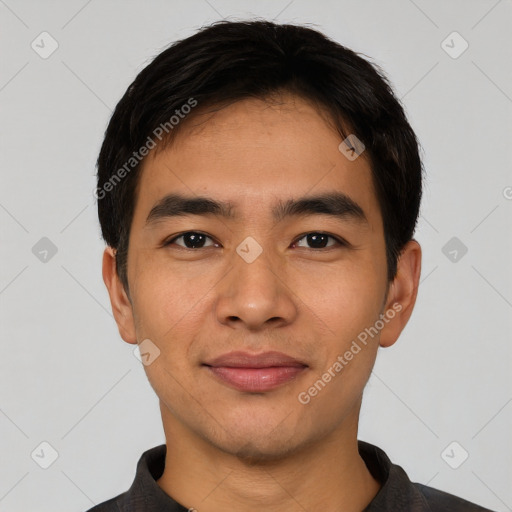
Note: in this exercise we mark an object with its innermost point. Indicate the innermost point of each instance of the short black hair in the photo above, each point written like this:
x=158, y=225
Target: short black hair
x=230, y=61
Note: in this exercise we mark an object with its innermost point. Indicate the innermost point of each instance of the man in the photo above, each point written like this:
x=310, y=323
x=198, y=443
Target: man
x=258, y=190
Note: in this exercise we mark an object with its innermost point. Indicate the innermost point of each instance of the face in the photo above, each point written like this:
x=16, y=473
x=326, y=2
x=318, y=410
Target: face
x=216, y=287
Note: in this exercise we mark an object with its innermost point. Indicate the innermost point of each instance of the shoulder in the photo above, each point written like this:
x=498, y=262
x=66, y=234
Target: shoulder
x=399, y=494
x=143, y=489
x=110, y=505
x=440, y=501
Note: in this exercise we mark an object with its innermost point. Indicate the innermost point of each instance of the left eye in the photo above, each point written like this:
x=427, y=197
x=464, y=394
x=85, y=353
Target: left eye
x=317, y=241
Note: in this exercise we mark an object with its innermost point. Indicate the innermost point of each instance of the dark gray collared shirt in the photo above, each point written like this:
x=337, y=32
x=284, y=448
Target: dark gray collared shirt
x=397, y=494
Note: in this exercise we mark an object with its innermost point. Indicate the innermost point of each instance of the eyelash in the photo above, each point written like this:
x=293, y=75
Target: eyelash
x=339, y=241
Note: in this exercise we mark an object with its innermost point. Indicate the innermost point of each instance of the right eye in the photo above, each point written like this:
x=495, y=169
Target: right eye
x=191, y=240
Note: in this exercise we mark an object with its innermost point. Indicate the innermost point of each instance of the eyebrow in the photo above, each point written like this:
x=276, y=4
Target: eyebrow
x=335, y=204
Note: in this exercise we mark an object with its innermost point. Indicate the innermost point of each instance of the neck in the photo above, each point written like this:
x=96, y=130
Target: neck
x=326, y=475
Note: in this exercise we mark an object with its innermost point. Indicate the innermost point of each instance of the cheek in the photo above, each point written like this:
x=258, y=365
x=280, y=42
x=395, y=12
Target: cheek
x=346, y=299
x=348, y=303
x=169, y=299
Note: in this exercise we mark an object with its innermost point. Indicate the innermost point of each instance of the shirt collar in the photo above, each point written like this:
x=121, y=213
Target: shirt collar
x=397, y=492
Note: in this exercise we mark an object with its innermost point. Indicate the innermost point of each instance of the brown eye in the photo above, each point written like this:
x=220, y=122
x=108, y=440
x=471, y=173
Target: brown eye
x=317, y=241
x=191, y=240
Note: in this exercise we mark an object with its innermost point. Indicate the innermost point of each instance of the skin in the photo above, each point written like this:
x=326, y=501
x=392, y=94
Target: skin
x=240, y=450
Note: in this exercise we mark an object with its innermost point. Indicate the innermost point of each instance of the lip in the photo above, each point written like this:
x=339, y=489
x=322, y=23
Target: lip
x=241, y=359
x=255, y=372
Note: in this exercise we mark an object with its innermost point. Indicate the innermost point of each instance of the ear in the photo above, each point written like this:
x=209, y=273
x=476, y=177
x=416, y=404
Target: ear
x=121, y=305
x=402, y=293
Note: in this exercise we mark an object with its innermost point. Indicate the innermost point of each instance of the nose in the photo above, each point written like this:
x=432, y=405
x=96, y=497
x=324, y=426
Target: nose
x=255, y=295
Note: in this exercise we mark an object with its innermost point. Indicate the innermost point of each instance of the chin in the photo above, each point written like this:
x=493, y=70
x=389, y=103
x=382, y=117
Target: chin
x=255, y=444
x=255, y=452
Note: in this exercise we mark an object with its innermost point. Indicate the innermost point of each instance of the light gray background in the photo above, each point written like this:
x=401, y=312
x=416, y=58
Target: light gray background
x=67, y=378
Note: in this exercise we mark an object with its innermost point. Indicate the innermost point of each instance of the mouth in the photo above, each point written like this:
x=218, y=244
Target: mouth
x=255, y=373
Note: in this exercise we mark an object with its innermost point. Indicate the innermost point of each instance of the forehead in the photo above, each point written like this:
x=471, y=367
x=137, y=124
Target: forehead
x=254, y=150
